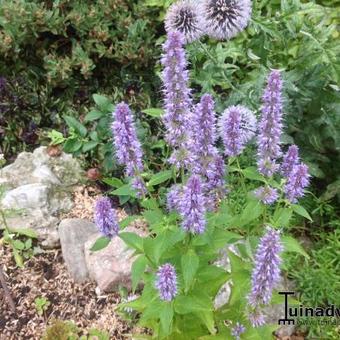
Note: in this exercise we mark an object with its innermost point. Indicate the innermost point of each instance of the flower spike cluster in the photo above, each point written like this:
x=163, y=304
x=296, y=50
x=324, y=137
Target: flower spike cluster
x=192, y=206
x=237, y=330
x=105, y=217
x=297, y=181
x=237, y=126
x=290, y=159
x=270, y=126
x=185, y=16
x=127, y=146
x=267, y=194
x=166, y=282
x=177, y=99
x=266, y=273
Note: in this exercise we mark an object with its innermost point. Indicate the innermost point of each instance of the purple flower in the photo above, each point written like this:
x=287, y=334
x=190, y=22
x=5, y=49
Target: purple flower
x=267, y=194
x=297, y=181
x=237, y=330
x=192, y=206
x=177, y=99
x=266, y=273
x=139, y=186
x=166, y=282
x=256, y=318
x=290, y=159
x=185, y=16
x=270, y=126
x=173, y=198
x=237, y=126
x=127, y=146
x=105, y=217
x=226, y=18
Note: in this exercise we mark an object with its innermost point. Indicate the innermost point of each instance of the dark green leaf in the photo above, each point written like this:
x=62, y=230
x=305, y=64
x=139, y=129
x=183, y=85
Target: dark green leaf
x=300, y=210
x=190, y=263
x=160, y=177
x=76, y=125
x=138, y=268
x=101, y=243
x=154, y=112
x=132, y=240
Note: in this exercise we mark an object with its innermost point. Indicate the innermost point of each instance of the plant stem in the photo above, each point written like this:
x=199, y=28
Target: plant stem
x=241, y=176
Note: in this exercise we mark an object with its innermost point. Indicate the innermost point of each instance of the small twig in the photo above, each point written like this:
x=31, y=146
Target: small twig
x=6, y=290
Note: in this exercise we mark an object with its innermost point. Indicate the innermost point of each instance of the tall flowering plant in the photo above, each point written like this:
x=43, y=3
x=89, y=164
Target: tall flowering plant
x=179, y=263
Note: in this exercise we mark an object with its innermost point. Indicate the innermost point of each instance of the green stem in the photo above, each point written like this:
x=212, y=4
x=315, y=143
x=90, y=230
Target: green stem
x=241, y=176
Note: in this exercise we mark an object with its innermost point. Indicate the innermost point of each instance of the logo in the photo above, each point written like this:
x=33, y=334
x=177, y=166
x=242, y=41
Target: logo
x=293, y=314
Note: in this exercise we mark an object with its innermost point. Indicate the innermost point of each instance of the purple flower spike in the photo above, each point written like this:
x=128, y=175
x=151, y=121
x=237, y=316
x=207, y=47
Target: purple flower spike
x=237, y=330
x=256, y=318
x=177, y=100
x=166, y=282
x=290, y=159
x=226, y=18
x=173, y=198
x=266, y=194
x=138, y=184
x=297, y=181
x=192, y=206
x=237, y=126
x=270, y=126
x=185, y=16
x=105, y=217
x=266, y=273
x=127, y=146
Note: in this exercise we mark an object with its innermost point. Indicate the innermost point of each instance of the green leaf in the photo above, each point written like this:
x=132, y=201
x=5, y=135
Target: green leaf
x=18, y=244
x=160, y=177
x=89, y=146
x=93, y=115
x=103, y=103
x=300, y=210
x=101, y=243
x=18, y=258
x=77, y=126
x=207, y=318
x=72, y=145
x=282, y=217
x=166, y=316
x=138, y=268
x=292, y=245
x=190, y=263
x=124, y=190
x=154, y=112
x=253, y=174
x=113, y=182
x=189, y=304
x=26, y=232
x=132, y=240
x=127, y=220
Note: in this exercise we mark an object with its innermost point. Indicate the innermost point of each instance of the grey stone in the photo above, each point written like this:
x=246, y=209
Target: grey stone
x=110, y=267
x=39, y=189
x=73, y=233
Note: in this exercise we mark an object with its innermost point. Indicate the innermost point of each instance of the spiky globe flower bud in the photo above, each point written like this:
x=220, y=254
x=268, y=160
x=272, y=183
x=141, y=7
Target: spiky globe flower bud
x=267, y=194
x=297, y=181
x=166, y=282
x=237, y=330
x=185, y=16
x=266, y=273
x=105, y=217
x=270, y=126
x=192, y=206
x=237, y=126
x=224, y=19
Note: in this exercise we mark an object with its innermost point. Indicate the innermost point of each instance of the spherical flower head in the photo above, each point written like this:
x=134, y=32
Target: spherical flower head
x=297, y=181
x=192, y=206
x=105, y=217
x=173, y=198
x=270, y=126
x=267, y=194
x=237, y=330
x=166, y=282
x=266, y=273
x=290, y=159
x=226, y=18
x=237, y=126
x=185, y=16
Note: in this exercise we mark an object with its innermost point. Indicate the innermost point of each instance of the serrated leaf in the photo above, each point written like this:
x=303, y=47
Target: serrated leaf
x=124, y=190
x=89, y=146
x=252, y=173
x=166, y=316
x=132, y=240
x=292, y=245
x=207, y=318
x=93, y=115
x=101, y=243
x=190, y=263
x=103, y=103
x=282, y=217
x=113, y=182
x=160, y=177
x=138, y=268
x=127, y=221
x=76, y=125
x=18, y=244
x=189, y=304
x=300, y=210
x=26, y=232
